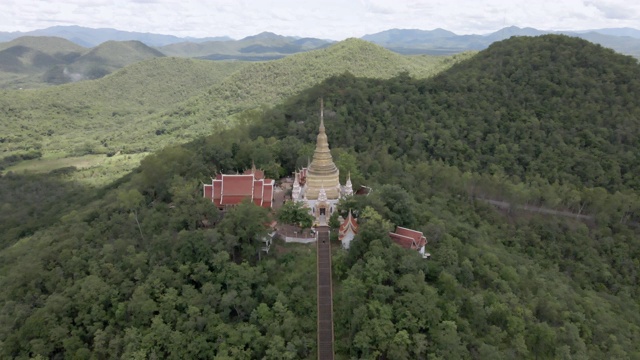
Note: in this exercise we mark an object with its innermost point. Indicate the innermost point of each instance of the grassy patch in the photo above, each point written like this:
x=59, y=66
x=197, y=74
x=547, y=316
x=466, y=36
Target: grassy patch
x=95, y=170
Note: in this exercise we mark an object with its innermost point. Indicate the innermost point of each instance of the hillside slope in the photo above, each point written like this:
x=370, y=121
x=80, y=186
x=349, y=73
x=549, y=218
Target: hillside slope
x=548, y=121
x=47, y=44
x=269, y=82
x=108, y=57
x=88, y=117
x=25, y=59
x=552, y=106
x=67, y=117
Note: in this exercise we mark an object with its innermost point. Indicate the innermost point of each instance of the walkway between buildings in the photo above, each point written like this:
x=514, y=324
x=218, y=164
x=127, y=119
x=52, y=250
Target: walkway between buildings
x=325, y=296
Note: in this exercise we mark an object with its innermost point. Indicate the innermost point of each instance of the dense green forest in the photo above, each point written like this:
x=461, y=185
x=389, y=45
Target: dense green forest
x=146, y=268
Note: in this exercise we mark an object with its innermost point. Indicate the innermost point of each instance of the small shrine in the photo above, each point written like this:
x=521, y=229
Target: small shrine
x=348, y=230
x=410, y=239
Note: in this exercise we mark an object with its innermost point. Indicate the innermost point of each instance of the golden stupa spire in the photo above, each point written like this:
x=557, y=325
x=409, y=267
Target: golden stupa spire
x=321, y=115
x=322, y=168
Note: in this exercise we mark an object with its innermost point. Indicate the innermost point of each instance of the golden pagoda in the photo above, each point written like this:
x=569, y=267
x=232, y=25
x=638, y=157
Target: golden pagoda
x=322, y=172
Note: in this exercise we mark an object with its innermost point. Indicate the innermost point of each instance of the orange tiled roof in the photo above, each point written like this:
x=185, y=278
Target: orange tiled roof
x=232, y=189
x=349, y=223
x=408, y=239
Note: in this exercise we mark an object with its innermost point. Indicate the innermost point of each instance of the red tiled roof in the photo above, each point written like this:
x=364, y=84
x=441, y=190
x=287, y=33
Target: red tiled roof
x=408, y=239
x=217, y=192
x=349, y=223
x=240, y=185
x=232, y=189
x=258, y=191
x=417, y=236
x=259, y=174
x=267, y=195
x=208, y=191
x=404, y=241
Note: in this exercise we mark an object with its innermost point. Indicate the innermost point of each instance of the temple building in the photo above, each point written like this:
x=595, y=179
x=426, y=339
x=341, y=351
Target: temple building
x=318, y=185
x=348, y=230
x=230, y=190
x=410, y=239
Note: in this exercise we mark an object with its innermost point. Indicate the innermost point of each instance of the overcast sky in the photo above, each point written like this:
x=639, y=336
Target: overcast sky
x=328, y=19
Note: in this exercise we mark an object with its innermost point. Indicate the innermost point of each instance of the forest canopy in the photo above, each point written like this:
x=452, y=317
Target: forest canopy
x=148, y=268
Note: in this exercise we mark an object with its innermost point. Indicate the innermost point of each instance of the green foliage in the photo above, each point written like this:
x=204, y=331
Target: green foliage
x=553, y=108
x=294, y=212
x=248, y=223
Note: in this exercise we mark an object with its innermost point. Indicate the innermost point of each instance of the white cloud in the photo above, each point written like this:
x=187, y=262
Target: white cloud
x=613, y=10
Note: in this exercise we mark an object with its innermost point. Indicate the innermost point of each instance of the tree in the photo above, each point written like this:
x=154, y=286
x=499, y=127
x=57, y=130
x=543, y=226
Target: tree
x=249, y=223
x=334, y=223
x=294, y=212
x=132, y=200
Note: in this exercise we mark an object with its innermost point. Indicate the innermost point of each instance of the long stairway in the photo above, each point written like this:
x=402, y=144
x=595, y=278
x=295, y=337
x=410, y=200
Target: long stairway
x=325, y=296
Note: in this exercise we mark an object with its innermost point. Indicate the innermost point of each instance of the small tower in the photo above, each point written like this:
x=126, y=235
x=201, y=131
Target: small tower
x=348, y=187
x=295, y=192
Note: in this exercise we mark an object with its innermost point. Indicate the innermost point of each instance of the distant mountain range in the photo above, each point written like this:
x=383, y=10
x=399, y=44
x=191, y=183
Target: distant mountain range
x=89, y=37
x=440, y=41
x=33, y=61
x=268, y=45
x=264, y=46
x=63, y=54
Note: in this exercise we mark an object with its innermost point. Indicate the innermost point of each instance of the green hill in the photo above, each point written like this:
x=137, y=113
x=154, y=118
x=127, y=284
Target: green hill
x=269, y=82
x=146, y=265
x=47, y=44
x=32, y=61
x=73, y=116
x=546, y=121
x=107, y=116
x=25, y=59
x=552, y=106
x=108, y=57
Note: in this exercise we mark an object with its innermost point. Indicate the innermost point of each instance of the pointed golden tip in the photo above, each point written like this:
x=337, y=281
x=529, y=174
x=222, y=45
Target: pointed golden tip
x=321, y=114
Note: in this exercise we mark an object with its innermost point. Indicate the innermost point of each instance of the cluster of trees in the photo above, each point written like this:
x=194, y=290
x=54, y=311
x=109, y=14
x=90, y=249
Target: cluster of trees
x=294, y=212
x=153, y=272
x=147, y=268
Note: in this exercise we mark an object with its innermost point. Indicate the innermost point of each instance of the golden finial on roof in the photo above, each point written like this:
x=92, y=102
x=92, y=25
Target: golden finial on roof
x=321, y=114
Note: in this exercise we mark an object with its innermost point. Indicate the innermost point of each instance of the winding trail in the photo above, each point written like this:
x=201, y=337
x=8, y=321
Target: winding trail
x=325, y=295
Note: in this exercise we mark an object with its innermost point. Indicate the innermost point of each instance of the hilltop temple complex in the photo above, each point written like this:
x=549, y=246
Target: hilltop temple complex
x=317, y=186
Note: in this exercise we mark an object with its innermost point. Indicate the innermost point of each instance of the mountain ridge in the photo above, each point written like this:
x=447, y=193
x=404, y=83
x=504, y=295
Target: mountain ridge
x=412, y=41
x=89, y=37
